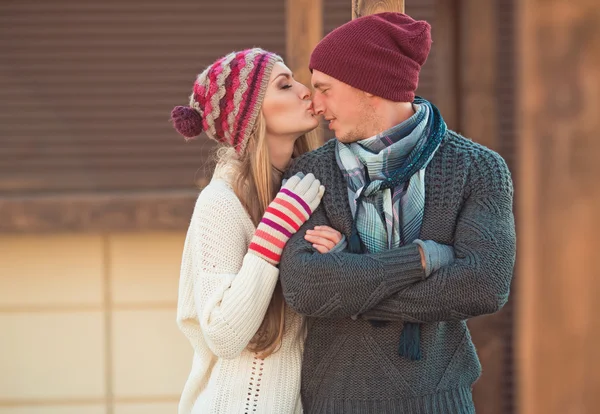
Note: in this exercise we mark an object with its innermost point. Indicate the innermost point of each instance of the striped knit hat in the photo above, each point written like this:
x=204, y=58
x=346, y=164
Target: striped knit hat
x=227, y=98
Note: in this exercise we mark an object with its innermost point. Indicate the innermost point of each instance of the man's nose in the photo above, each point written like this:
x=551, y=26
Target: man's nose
x=318, y=105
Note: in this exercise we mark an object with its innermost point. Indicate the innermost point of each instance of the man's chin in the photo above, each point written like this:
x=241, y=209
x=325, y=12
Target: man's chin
x=343, y=138
x=346, y=139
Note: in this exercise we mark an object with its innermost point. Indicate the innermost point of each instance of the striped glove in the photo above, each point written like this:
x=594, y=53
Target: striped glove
x=290, y=209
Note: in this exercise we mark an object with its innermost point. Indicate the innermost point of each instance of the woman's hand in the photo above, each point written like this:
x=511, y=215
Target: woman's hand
x=323, y=238
x=291, y=208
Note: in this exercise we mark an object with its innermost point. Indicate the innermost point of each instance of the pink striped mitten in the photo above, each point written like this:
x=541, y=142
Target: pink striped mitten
x=290, y=209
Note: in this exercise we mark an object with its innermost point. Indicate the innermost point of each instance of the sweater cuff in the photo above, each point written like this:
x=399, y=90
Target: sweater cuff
x=341, y=246
x=402, y=267
x=436, y=255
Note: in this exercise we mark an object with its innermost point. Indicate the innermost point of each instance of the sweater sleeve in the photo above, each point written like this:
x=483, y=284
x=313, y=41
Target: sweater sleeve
x=478, y=281
x=342, y=284
x=224, y=291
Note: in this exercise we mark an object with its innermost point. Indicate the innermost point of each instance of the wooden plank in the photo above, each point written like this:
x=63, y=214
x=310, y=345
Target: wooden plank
x=477, y=66
x=428, y=77
x=304, y=29
x=335, y=14
x=469, y=105
x=366, y=7
x=558, y=205
x=96, y=212
x=476, y=117
x=489, y=335
x=444, y=51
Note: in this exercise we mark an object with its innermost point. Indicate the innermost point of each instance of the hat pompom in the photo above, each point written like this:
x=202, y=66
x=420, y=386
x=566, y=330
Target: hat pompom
x=187, y=121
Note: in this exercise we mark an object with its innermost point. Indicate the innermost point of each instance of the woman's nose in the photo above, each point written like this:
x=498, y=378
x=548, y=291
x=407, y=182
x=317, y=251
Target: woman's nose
x=304, y=92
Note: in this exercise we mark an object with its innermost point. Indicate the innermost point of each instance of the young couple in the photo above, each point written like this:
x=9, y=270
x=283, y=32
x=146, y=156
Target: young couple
x=339, y=279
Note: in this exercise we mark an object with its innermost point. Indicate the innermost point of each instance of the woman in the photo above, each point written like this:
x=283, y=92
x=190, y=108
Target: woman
x=247, y=344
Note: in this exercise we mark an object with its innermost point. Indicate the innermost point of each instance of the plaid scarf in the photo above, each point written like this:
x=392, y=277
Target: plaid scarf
x=386, y=188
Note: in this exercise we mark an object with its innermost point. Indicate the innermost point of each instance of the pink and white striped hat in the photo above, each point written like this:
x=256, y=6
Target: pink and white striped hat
x=227, y=98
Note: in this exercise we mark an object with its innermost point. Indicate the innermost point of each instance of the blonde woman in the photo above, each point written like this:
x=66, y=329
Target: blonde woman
x=247, y=343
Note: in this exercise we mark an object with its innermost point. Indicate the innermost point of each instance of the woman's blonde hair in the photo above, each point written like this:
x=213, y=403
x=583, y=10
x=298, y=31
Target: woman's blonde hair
x=256, y=184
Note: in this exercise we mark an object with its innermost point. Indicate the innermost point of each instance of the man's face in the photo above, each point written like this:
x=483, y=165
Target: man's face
x=347, y=109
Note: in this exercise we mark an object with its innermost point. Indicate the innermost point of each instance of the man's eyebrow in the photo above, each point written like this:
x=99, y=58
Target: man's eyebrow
x=320, y=85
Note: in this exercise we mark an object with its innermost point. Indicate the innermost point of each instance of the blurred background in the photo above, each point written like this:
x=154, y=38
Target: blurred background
x=96, y=188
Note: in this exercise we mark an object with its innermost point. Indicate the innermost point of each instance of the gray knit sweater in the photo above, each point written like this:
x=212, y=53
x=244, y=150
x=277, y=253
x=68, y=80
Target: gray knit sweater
x=351, y=366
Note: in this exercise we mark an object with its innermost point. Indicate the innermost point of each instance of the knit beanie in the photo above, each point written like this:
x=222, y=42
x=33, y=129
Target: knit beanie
x=380, y=53
x=227, y=98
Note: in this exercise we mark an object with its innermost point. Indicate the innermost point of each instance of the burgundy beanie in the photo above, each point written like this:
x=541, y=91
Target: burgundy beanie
x=381, y=54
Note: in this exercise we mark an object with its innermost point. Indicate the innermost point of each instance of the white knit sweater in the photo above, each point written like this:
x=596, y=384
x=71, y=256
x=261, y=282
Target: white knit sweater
x=224, y=292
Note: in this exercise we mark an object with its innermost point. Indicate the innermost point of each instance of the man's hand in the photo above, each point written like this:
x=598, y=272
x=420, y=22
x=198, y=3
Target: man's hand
x=324, y=238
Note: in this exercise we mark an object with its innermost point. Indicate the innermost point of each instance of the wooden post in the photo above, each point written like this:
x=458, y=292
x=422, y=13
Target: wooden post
x=366, y=7
x=558, y=206
x=304, y=28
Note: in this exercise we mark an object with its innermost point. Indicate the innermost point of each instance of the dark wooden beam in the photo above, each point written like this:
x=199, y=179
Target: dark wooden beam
x=445, y=31
x=476, y=116
x=477, y=71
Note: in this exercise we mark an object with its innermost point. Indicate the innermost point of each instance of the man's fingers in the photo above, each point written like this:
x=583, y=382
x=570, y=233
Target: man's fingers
x=327, y=233
x=320, y=240
x=329, y=230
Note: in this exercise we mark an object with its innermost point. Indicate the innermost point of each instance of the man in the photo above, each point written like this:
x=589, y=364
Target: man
x=427, y=219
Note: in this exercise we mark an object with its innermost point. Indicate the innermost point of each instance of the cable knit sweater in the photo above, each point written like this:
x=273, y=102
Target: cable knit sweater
x=352, y=366
x=224, y=292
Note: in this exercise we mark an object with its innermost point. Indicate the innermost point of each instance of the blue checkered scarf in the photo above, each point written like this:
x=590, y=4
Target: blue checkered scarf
x=386, y=183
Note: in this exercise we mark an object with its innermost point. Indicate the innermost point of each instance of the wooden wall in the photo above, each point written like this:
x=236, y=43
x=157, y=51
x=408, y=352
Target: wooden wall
x=559, y=204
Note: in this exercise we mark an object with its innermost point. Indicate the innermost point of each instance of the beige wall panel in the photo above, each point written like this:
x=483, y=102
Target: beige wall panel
x=56, y=409
x=150, y=355
x=42, y=270
x=56, y=355
x=148, y=408
x=144, y=267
